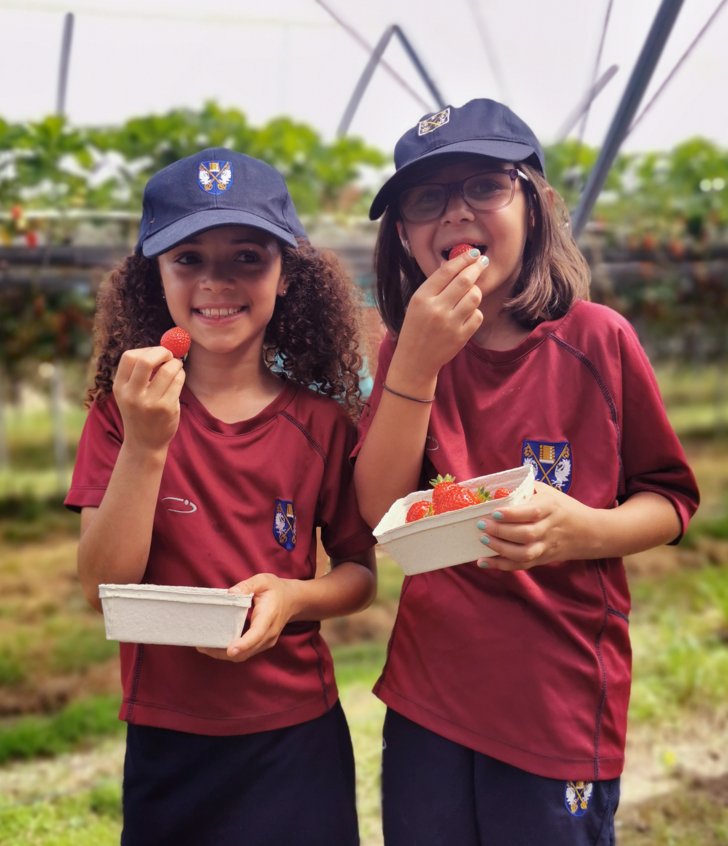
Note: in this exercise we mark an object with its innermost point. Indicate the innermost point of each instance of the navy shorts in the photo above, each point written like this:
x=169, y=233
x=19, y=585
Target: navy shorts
x=438, y=793
x=294, y=785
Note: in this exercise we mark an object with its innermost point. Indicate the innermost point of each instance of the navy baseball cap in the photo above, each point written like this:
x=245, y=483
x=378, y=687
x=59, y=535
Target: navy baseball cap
x=482, y=126
x=215, y=187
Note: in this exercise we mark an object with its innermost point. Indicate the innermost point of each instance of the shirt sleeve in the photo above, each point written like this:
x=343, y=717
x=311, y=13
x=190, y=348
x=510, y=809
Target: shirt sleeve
x=343, y=530
x=98, y=449
x=652, y=456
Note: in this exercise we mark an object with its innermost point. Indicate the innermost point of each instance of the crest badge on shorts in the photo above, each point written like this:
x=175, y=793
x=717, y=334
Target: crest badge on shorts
x=433, y=122
x=551, y=462
x=215, y=177
x=576, y=797
x=284, y=523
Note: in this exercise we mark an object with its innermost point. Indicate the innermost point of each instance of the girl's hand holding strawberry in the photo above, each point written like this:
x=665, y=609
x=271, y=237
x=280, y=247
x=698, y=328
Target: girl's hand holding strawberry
x=442, y=315
x=147, y=387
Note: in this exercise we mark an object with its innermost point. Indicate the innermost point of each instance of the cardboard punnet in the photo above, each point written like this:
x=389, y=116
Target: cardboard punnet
x=177, y=616
x=445, y=540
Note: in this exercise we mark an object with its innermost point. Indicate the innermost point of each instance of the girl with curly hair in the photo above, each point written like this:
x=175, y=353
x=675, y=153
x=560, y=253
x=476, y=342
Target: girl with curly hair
x=219, y=471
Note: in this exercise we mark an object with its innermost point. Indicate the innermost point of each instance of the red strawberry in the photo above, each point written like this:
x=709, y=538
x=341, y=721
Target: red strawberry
x=499, y=493
x=458, y=249
x=418, y=510
x=177, y=341
x=448, y=495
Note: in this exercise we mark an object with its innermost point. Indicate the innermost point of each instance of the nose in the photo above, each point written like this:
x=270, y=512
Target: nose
x=456, y=209
x=218, y=276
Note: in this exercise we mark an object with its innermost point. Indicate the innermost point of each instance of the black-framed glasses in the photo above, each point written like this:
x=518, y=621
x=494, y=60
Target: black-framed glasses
x=488, y=190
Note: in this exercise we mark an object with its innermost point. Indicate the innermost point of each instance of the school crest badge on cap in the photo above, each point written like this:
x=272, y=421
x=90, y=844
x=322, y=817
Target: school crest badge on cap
x=551, y=462
x=215, y=177
x=433, y=122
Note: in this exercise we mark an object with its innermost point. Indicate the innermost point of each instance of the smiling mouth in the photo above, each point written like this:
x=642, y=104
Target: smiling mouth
x=218, y=313
x=482, y=247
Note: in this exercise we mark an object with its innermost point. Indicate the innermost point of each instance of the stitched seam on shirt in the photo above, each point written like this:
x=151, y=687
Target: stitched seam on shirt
x=314, y=444
x=136, y=677
x=603, y=672
x=608, y=398
x=320, y=670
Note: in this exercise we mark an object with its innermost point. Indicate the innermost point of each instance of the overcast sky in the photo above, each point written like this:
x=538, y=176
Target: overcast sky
x=137, y=57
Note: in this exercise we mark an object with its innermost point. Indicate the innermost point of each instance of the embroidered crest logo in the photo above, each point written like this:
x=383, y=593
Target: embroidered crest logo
x=284, y=524
x=551, y=462
x=577, y=796
x=433, y=122
x=215, y=177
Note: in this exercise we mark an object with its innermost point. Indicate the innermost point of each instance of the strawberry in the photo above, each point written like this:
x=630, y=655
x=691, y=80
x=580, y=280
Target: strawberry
x=418, y=510
x=448, y=495
x=499, y=493
x=458, y=249
x=177, y=341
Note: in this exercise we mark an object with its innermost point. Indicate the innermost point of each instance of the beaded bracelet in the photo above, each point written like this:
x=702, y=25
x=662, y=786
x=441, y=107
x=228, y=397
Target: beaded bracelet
x=406, y=396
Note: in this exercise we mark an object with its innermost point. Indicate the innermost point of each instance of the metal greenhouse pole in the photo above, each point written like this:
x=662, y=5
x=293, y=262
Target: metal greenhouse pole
x=633, y=93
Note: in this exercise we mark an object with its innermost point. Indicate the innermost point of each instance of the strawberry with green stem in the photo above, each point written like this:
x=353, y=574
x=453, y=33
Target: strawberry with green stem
x=448, y=495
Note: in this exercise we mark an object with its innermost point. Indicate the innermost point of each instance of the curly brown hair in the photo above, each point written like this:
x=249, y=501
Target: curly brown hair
x=313, y=337
x=554, y=273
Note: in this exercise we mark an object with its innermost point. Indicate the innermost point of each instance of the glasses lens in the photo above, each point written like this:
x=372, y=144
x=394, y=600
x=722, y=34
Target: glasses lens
x=423, y=202
x=489, y=191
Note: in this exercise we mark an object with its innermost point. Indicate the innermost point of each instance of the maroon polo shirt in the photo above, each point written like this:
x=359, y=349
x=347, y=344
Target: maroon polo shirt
x=533, y=667
x=236, y=499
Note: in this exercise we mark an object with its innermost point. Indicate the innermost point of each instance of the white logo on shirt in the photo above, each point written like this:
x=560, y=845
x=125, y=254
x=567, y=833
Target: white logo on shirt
x=187, y=506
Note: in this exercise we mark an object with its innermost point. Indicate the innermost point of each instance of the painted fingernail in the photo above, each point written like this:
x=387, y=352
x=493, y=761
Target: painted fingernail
x=482, y=563
x=480, y=524
x=485, y=540
x=496, y=515
x=474, y=252
x=484, y=260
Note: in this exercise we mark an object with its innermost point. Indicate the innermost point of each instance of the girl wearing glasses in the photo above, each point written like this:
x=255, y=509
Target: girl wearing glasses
x=507, y=679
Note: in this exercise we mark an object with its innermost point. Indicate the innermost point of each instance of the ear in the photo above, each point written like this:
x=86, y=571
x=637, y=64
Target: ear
x=282, y=286
x=403, y=237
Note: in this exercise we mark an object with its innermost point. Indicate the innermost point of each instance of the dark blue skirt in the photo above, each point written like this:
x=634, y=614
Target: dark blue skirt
x=288, y=787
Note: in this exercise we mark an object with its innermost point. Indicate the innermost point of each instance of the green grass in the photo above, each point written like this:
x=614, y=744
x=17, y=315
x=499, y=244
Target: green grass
x=71, y=728
x=89, y=818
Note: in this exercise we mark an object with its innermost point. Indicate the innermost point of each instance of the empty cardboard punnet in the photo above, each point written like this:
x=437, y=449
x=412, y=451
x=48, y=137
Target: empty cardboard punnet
x=444, y=540
x=177, y=616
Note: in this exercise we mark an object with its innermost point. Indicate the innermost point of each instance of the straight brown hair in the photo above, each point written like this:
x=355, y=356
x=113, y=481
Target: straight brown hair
x=553, y=276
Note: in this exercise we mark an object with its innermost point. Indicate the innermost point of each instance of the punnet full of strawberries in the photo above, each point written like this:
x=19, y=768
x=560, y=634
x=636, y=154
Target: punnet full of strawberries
x=177, y=341
x=449, y=495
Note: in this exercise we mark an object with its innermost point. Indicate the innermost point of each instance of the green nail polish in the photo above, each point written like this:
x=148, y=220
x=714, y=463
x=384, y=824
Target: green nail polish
x=485, y=540
x=474, y=252
x=496, y=515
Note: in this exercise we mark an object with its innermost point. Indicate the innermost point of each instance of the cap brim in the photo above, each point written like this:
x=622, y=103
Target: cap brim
x=179, y=231
x=507, y=151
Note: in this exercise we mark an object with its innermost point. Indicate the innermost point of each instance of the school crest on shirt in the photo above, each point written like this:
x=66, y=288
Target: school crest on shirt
x=284, y=523
x=576, y=797
x=551, y=462
x=433, y=122
x=215, y=177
